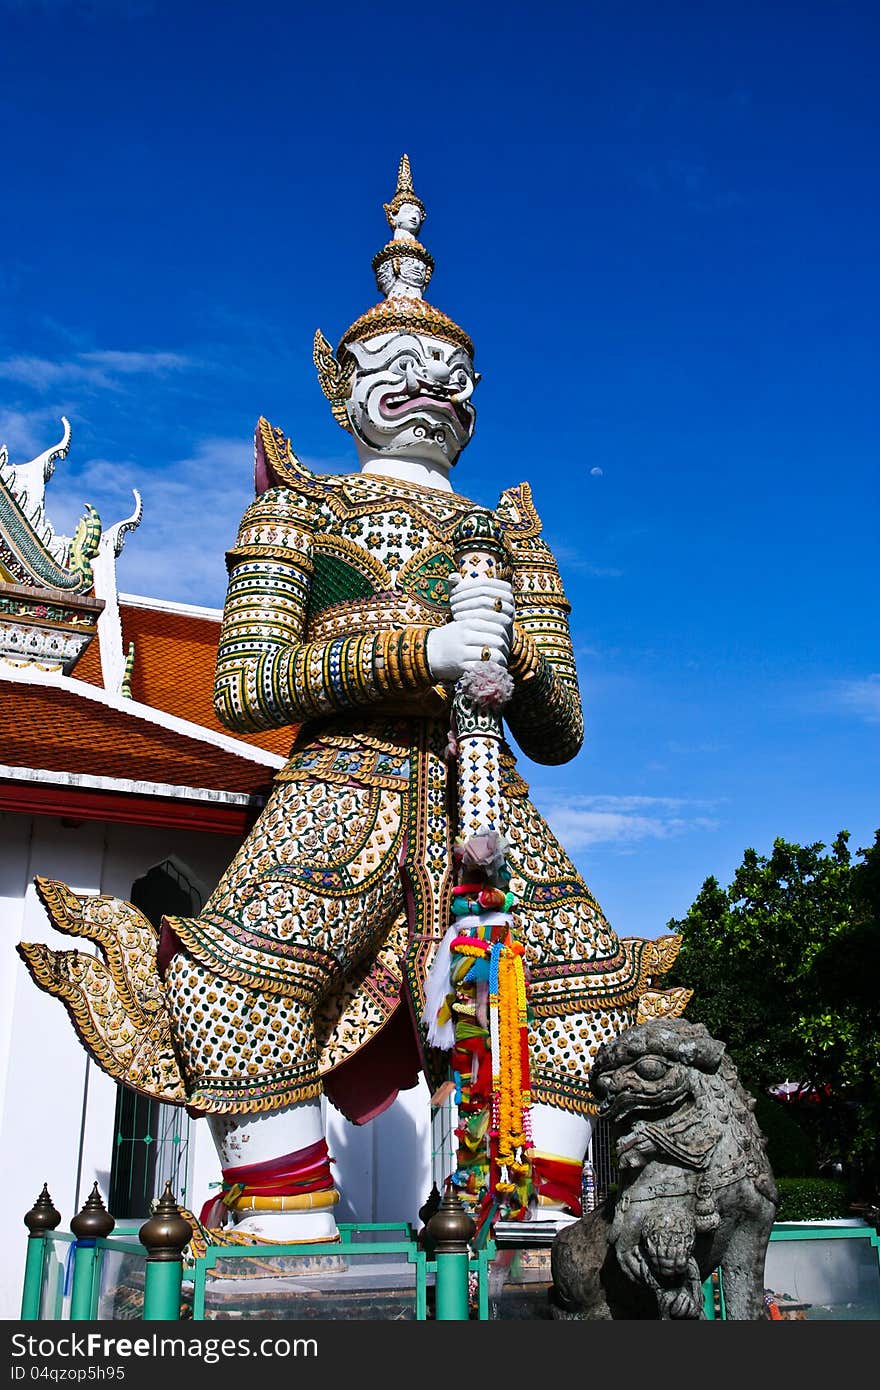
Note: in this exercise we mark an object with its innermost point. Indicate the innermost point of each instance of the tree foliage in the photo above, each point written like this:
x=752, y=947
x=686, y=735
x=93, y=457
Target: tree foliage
x=784, y=965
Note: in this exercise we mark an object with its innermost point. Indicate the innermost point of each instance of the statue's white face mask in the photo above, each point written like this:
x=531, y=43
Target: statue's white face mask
x=412, y=397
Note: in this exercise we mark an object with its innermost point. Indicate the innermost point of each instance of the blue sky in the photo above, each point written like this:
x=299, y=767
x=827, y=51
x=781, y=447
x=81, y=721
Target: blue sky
x=660, y=226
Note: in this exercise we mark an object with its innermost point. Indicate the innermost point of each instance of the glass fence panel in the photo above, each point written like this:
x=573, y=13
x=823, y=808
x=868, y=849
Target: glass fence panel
x=821, y=1279
x=120, y=1277
x=57, y=1279
x=384, y=1232
x=354, y=1282
x=519, y=1284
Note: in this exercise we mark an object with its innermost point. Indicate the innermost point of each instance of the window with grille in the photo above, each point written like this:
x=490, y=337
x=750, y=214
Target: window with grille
x=151, y=1142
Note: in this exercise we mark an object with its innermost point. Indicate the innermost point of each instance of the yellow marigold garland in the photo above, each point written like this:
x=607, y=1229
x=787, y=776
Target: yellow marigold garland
x=506, y=1171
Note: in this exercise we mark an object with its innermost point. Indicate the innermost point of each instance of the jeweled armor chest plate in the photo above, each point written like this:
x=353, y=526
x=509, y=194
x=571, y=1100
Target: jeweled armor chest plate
x=381, y=557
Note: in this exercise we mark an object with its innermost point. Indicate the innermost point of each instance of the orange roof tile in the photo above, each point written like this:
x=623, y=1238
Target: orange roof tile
x=88, y=668
x=174, y=660
x=55, y=729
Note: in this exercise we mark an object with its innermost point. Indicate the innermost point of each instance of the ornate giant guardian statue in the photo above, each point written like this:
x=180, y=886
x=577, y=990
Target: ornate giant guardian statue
x=400, y=904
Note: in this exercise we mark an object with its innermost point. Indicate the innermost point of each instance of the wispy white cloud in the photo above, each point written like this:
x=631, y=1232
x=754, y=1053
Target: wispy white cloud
x=128, y=362
x=192, y=507
x=580, y=821
x=856, y=697
x=690, y=181
x=569, y=558
x=97, y=368
x=27, y=432
x=861, y=697
x=584, y=651
x=41, y=374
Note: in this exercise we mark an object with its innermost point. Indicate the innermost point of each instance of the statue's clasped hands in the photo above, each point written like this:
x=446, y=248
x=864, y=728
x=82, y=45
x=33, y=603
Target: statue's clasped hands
x=480, y=627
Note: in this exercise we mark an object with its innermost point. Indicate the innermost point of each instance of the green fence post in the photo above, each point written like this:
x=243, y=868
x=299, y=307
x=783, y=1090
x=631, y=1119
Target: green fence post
x=91, y=1223
x=165, y=1236
x=450, y=1229
x=40, y=1220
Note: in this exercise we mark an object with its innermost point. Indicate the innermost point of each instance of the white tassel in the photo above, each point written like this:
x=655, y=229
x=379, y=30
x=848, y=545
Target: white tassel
x=437, y=982
x=437, y=987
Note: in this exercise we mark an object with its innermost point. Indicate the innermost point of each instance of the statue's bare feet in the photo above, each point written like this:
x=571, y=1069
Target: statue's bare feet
x=291, y=1227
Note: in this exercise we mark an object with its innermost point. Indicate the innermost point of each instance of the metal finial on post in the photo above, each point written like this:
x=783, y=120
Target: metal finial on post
x=43, y=1215
x=167, y=1233
x=450, y=1229
x=165, y=1237
x=428, y=1209
x=92, y=1223
x=42, y=1218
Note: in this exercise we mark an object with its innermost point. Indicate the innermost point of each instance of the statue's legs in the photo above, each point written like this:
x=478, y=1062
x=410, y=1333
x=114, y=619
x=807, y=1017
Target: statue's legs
x=257, y=1139
x=259, y=1047
x=561, y=1140
x=312, y=889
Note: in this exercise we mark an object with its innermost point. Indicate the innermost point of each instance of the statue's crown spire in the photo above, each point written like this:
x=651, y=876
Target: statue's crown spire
x=403, y=269
x=404, y=193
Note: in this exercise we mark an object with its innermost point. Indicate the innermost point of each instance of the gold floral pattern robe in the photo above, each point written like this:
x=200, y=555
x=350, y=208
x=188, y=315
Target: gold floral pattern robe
x=312, y=951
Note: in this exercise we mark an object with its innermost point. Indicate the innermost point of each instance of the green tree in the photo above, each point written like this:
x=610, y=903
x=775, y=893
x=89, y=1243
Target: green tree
x=784, y=967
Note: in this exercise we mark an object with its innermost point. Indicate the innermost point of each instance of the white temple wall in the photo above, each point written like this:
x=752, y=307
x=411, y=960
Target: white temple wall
x=57, y=1109
x=15, y=836
x=42, y=1067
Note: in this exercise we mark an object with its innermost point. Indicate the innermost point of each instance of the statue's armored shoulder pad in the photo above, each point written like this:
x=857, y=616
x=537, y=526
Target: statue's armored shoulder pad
x=278, y=525
x=276, y=465
x=280, y=503
x=516, y=512
x=522, y=533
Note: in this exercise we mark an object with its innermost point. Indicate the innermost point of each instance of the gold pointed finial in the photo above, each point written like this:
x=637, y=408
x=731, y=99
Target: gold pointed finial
x=404, y=193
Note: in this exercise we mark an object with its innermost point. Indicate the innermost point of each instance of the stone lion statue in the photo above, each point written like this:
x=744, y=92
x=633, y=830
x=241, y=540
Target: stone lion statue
x=695, y=1191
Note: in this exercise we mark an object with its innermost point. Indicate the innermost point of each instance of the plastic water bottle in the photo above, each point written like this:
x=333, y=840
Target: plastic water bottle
x=588, y=1187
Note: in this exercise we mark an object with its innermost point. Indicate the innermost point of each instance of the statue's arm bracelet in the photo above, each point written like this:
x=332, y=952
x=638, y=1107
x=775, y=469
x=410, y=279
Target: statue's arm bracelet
x=267, y=676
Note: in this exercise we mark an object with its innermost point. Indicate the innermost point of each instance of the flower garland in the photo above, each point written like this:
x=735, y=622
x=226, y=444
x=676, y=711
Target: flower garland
x=486, y=1005
x=476, y=992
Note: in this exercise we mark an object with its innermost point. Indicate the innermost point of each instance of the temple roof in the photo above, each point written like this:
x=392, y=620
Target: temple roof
x=68, y=730
x=72, y=749
x=106, y=699
x=175, y=652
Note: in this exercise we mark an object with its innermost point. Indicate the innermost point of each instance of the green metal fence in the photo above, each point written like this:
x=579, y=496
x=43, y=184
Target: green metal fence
x=813, y=1271
x=135, y=1271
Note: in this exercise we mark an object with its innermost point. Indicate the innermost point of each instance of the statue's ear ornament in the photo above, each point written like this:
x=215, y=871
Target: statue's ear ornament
x=336, y=381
